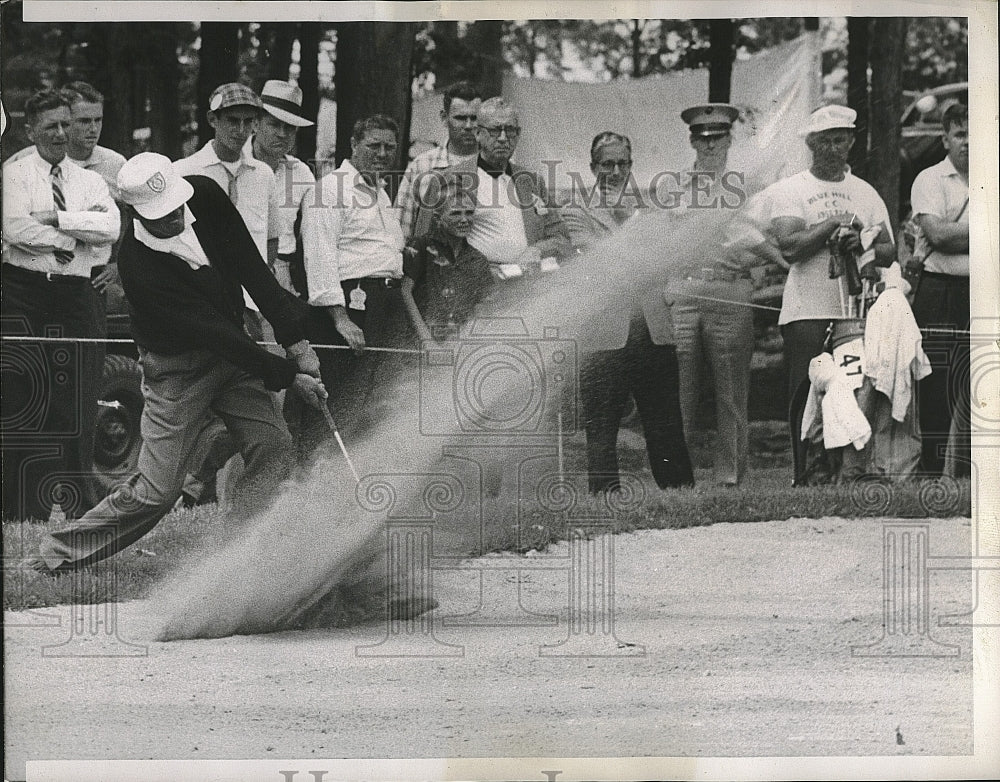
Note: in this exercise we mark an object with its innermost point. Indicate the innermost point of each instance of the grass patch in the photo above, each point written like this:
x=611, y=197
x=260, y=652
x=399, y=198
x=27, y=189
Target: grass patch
x=765, y=496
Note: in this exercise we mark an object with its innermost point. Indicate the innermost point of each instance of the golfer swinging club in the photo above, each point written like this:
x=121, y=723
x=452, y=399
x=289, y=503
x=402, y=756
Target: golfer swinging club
x=182, y=267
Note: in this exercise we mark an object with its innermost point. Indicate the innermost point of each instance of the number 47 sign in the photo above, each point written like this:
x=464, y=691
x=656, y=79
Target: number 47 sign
x=849, y=350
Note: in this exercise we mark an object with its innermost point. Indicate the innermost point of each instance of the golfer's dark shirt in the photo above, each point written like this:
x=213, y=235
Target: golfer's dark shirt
x=175, y=309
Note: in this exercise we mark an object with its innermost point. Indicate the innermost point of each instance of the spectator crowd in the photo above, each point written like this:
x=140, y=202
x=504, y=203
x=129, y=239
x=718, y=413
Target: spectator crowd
x=236, y=260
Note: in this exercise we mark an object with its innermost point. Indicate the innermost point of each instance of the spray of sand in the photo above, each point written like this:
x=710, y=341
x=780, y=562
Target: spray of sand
x=318, y=539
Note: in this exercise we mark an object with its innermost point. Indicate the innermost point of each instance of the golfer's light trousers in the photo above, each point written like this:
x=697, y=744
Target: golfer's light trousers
x=181, y=394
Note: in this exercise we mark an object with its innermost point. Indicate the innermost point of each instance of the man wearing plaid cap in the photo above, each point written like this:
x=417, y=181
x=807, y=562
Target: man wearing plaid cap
x=233, y=112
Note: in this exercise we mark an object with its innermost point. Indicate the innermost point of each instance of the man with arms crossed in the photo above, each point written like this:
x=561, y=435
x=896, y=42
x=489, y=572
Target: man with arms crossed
x=59, y=223
x=940, y=199
x=516, y=224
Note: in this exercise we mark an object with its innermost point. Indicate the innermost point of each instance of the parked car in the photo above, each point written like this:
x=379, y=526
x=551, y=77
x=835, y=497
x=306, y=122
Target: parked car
x=119, y=406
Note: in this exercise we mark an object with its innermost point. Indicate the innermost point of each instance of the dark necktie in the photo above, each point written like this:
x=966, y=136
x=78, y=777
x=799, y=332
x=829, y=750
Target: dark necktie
x=63, y=256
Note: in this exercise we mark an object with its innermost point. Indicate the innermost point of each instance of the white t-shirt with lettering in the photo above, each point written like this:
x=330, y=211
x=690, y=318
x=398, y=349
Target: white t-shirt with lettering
x=809, y=292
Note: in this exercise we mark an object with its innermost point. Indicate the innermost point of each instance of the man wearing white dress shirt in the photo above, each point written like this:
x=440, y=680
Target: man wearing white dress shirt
x=353, y=247
x=59, y=222
x=233, y=113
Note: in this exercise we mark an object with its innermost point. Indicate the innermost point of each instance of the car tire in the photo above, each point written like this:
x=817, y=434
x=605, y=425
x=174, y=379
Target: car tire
x=117, y=439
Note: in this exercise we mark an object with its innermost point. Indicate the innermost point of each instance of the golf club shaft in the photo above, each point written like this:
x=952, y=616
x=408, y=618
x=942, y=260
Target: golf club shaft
x=336, y=434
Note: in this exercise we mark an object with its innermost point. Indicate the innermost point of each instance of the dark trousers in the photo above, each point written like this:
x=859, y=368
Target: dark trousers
x=49, y=393
x=649, y=374
x=943, y=397
x=348, y=377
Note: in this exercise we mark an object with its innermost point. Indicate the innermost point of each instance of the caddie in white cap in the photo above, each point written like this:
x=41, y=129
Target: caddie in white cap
x=829, y=118
x=183, y=267
x=813, y=211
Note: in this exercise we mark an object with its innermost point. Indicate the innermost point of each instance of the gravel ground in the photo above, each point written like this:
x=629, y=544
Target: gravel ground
x=727, y=640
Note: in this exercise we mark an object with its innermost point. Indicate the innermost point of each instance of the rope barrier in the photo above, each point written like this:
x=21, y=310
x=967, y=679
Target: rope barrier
x=417, y=351
x=926, y=330
x=112, y=341
x=726, y=301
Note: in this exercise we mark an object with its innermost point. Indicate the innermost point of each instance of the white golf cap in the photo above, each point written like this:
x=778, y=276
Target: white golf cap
x=149, y=184
x=284, y=101
x=829, y=118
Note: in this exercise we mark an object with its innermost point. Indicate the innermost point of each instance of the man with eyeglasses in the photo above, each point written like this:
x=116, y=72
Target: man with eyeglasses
x=460, y=114
x=516, y=225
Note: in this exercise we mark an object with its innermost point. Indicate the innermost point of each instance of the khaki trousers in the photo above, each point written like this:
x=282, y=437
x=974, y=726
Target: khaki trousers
x=179, y=392
x=719, y=335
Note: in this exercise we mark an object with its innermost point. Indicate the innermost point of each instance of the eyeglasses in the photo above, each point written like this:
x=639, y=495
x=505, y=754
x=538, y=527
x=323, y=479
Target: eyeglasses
x=510, y=130
x=608, y=166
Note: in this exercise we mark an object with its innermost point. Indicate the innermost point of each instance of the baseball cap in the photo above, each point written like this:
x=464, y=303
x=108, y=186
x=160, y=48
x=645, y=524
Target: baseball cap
x=829, y=118
x=233, y=94
x=710, y=119
x=284, y=102
x=149, y=184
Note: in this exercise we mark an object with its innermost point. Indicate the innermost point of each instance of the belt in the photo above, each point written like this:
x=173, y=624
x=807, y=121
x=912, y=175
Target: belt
x=286, y=257
x=709, y=274
x=385, y=282
x=28, y=275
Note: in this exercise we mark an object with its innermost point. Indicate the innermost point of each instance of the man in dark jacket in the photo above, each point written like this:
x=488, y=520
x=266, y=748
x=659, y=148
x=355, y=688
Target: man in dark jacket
x=182, y=268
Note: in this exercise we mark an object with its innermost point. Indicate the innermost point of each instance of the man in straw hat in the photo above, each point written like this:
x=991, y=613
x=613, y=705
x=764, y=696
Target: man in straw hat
x=272, y=143
x=807, y=210
x=189, y=255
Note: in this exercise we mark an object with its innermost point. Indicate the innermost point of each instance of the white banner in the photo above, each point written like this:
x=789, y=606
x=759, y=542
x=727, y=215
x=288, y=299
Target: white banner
x=775, y=91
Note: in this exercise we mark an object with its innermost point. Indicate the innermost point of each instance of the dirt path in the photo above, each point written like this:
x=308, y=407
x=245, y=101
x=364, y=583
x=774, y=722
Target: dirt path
x=747, y=631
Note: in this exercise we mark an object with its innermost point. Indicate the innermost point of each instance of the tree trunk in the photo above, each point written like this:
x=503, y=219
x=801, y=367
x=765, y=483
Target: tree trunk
x=485, y=40
x=278, y=38
x=448, y=60
x=164, y=96
x=373, y=76
x=118, y=101
x=217, y=64
x=309, y=35
x=720, y=59
x=886, y=109
x=858, y=44
x=636, y=49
